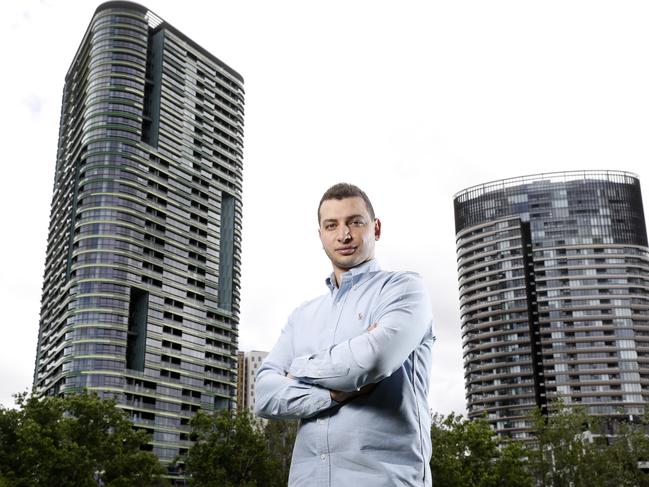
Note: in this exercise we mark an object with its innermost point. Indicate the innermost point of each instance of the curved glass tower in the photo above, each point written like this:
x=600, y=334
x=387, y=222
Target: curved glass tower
x=554, y=295
x=141, y=288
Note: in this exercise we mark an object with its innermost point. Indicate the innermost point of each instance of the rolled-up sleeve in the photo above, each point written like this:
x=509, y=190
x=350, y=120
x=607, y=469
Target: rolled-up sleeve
x=403, y=317
x=281, y=397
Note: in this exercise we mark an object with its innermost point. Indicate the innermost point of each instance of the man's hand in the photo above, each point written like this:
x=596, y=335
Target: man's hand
x=342, y=396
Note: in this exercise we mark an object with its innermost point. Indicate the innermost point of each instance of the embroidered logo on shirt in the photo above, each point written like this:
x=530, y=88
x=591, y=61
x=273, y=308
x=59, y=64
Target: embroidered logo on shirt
x=360, y=316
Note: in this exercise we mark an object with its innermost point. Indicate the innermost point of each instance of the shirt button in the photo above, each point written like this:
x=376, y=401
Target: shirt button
x=323, y=456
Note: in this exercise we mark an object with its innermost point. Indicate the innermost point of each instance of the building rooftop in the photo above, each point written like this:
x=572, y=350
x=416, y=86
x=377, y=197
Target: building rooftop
x=549, y=177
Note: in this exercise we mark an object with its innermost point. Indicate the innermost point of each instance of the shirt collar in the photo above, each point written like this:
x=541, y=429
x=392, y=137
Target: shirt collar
x=355, y=273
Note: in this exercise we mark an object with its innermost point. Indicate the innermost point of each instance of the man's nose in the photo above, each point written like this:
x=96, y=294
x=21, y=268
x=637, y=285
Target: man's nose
x=343, y=233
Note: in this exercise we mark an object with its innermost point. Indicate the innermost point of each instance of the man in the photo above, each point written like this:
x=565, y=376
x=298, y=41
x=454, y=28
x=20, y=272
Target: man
x=353, y=365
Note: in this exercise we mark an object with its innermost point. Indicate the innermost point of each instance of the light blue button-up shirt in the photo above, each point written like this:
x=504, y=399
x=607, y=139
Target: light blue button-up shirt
x=378, y=439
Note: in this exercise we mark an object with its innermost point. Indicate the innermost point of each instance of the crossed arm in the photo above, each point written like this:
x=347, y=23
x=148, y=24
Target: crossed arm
x=300, y=387
x=342, y=396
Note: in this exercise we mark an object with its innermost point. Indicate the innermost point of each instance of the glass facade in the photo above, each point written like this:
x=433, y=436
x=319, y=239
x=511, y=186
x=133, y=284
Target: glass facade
x=554, y=295
x=141, y=288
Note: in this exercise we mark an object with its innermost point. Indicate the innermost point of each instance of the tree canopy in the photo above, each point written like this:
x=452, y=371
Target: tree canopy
x=280, y=436
x=231, y=450
x=466, y=454
x=568, y=448
x=84, y=441
x=78, y=440
x=574, y=449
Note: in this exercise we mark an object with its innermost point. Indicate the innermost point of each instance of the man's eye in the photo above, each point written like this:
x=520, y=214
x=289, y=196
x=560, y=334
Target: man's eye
x=330, y=226
x=356, y=223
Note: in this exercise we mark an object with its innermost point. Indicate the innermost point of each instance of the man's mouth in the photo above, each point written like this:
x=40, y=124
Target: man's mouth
x=346, y=250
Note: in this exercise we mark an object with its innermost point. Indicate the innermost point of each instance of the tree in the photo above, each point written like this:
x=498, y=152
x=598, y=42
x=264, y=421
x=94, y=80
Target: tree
x=628, y=446
x=563, y=454
x=466, y=454
x=577, y=450
x=230, y=450
x=281, y=435
x=79, y=440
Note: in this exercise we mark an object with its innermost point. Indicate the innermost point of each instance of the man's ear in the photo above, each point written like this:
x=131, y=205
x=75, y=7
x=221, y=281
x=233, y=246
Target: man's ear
x=377, y=229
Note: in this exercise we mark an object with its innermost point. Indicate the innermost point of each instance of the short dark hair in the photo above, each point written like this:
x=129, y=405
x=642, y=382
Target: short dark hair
x=346, y=190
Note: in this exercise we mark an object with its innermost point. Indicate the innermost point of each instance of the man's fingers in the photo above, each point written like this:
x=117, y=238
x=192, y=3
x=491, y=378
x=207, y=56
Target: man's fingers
x=372, y=326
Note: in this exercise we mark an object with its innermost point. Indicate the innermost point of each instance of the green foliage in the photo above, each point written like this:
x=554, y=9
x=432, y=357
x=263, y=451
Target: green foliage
x=281, y=439
x=78, y=440
x=629, y=446
x=230, y=451
x=563, y=453
x=466, y=454
x=572, y=449
x=577, y=450
x=83, y=441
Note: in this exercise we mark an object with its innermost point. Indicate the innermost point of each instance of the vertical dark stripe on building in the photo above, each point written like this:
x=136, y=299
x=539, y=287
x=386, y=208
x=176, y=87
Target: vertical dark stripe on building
x=136, y=338
x=226, y=251
x=152, y=88
x=533, y=317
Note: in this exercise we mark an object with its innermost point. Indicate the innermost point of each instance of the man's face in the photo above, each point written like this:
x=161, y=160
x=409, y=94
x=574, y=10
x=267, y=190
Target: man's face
x=347, y=232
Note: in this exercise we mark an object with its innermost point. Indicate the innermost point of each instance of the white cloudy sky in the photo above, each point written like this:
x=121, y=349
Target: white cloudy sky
x=411, y=100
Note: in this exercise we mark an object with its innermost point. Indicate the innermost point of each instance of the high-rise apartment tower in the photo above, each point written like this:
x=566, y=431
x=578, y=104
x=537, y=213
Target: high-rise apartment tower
x=248, y=363
x=141, y=287
x=554, y=296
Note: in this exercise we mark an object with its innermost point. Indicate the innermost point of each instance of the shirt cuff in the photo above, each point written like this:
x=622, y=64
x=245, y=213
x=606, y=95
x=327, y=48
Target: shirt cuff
x=322, y=398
